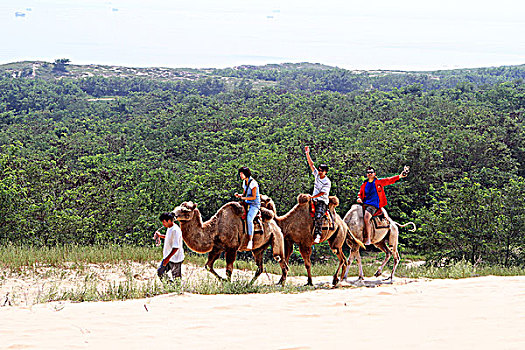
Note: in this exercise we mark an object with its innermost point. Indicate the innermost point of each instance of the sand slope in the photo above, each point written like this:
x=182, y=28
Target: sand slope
x=481, y=313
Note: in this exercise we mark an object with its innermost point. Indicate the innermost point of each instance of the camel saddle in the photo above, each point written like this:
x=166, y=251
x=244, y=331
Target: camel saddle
x=327, y=217
x=257, y=221
x=380, y=221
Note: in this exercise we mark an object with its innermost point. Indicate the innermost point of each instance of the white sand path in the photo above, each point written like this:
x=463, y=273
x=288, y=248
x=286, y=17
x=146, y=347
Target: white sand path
x=475, y=313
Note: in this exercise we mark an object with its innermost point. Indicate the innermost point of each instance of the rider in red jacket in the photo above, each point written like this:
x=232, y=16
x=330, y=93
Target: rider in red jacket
x=372, y=196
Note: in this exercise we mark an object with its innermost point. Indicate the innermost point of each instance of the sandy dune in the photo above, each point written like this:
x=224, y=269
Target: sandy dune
x=476, y=313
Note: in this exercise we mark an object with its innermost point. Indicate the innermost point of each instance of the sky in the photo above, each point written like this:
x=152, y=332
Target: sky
x=396, y=35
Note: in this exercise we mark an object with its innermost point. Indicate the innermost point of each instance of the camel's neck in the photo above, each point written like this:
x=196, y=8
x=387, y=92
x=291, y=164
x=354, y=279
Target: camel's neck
x=297, y=212
x=199, y=235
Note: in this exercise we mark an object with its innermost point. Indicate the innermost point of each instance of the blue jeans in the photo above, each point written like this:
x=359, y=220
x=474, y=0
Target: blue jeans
x=249, y=218
x=320, y=210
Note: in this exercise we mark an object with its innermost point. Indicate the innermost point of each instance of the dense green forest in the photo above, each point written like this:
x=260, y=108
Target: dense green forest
x=94, y=160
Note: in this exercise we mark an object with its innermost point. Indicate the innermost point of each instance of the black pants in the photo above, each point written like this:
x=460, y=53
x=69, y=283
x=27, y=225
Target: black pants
x=175, y=268
x=320, y=210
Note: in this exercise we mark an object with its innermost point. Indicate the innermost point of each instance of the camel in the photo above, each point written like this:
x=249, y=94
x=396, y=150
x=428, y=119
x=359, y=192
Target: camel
x=382, y=236
x=225, y=232
x=297, y=227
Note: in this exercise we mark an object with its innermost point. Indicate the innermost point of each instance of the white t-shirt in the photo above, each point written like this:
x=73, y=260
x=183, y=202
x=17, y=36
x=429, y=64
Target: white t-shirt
x=172, y=240
x=321, y=185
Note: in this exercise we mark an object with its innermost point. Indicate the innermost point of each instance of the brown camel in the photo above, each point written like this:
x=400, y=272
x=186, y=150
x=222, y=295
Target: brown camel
x=297, y=227
x=225, y=232
x=381, y=236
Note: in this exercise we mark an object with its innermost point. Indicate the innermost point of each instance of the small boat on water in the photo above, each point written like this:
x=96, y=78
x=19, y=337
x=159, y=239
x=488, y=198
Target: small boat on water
x=20, y=14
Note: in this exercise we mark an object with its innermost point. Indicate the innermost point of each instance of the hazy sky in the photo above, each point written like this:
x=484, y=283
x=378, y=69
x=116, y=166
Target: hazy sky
x=395, y=34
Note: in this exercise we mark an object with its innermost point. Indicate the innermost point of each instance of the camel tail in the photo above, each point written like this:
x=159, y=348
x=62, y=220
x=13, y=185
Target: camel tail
x=355, y=239
x=413, y=229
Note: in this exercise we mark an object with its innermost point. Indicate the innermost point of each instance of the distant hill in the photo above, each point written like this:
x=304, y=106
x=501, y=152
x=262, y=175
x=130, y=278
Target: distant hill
x=44, y=70
x=287, y=76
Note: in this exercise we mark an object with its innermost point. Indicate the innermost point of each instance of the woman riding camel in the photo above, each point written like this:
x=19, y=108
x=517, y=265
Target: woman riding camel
x=373, y=198
x=252, y=197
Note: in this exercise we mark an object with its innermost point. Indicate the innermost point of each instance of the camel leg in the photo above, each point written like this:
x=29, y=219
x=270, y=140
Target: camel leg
x=306, y=251
x=284, y=272
x=396, y=256
x=231, y=255
x=384, y=247
x=351, y=259
x=394, y=235
x=342, y=264
x=360, y=264
x=258, y=257
x=279, y=254
x=288, y=249
x=354, y=255
x=212, y=256
x=278, y=250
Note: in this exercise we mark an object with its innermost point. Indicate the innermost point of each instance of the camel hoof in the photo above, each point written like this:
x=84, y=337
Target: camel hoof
x=378, y=273
x=309, y=284
x=335, y=281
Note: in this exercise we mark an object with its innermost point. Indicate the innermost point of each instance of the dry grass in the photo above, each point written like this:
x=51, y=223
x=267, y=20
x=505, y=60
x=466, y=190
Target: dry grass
x=31, y=275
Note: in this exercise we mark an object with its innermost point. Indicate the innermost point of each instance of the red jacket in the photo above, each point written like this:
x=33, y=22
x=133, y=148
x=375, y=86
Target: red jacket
x=380, y=183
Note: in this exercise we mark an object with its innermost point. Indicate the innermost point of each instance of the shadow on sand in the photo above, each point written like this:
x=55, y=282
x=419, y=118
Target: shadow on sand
x=365, y=283
x=356, y=283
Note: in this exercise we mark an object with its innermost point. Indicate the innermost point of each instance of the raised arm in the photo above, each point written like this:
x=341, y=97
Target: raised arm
x=310, y=163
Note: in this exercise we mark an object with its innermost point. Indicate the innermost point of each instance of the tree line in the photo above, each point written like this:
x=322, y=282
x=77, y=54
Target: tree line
x=77, y=169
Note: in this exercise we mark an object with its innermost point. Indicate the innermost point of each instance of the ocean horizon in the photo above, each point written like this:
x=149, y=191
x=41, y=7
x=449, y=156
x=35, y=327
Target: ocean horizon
x=206, y=34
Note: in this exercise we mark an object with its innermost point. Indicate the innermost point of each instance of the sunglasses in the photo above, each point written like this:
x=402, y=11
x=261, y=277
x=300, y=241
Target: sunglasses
x=370, y=172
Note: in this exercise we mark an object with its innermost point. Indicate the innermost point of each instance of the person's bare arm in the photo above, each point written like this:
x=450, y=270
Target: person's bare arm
x=310, y=163
x=254, y=195
x=166, y=260
x=157, y=236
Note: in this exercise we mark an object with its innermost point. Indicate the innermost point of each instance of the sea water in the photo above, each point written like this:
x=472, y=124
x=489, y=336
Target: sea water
x=406, y=35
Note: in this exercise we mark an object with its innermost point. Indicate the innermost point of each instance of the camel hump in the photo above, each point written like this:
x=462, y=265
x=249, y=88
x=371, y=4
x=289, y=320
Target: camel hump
x=303, y=198
x=356, y=207
x=265, y=199
x=354, y=214
x=267, y=214
x=333, y=200
x=236, y=207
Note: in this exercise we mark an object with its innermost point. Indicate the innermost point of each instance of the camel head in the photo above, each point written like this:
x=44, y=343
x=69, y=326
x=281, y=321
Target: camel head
x=303, y=198
x=268, y=203
x=333, y=202
x=185, y=211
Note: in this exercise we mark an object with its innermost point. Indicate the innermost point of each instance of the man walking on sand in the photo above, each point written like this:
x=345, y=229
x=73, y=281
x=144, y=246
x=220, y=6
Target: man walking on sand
x=173, y=251
x=320, y=194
